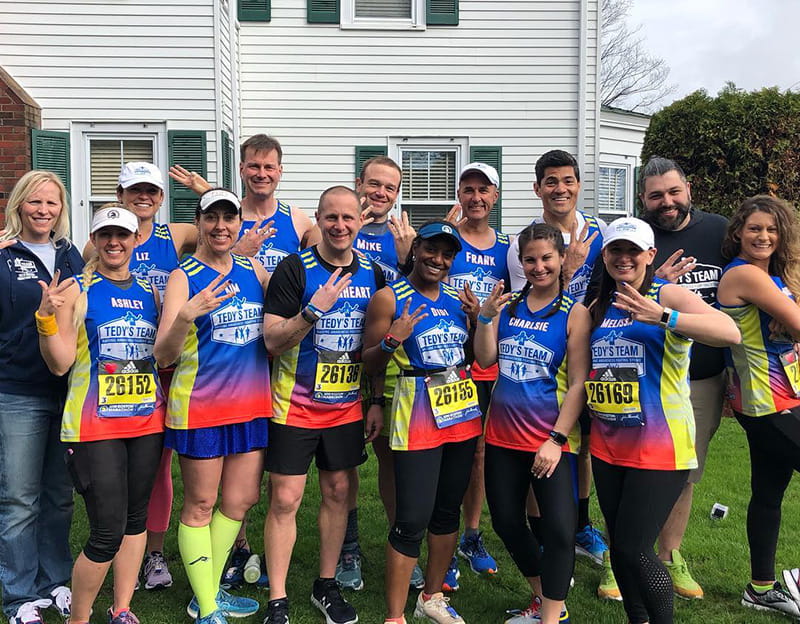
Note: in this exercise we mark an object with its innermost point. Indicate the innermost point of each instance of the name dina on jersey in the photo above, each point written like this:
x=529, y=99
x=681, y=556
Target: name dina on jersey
x=442, y=344
x=521, y=358
x=614, y=351
x=128, y=337
x=340, y=329
x=237, y=323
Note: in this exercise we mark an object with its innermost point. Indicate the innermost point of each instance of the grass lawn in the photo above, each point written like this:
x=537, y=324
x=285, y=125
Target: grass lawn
x=716, y=550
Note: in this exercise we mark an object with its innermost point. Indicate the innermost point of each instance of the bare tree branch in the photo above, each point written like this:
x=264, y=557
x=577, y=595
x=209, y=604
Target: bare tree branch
x=630, y=77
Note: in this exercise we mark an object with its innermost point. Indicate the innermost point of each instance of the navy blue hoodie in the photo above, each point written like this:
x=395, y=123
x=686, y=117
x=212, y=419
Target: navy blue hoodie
x=22, y=368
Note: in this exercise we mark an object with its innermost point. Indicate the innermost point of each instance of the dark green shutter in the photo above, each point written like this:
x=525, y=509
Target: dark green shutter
x=441, y=12
x=254, y=10
x=227, y=161
x=491, y=156
x=322, y=11
x=365, y=152
x=187, y=148
x=51, y=152
x=637, y=202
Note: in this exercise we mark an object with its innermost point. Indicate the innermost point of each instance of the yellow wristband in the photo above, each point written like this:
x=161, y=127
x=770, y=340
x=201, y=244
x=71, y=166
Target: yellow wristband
x=46, y=325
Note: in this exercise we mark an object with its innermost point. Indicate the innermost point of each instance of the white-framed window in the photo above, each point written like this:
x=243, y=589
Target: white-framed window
x=98, y=152
x=614, y=198
x=383, y=14
x=430, y=175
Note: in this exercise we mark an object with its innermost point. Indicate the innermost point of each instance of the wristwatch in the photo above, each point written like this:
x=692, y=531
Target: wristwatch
x=391, y=341
x=558, y=438
x=378, y=400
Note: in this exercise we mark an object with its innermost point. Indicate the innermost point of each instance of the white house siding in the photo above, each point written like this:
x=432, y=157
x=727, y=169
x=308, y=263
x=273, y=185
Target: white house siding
x=227, y=62
x=507, y=75
x=97, y=61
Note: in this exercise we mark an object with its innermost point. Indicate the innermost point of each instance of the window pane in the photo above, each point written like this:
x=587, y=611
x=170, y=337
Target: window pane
x=611, y=189
x=429, y=175
x=106, y=157
x=383, y=8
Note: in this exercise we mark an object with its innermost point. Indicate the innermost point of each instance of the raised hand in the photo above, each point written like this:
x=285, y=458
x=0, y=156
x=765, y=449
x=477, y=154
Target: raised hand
x=403, y=235
x=496, y=301
x=251, y=241
x=53, y=294
x=207, y=300
x=469, y=303
x=190, y=179
x=673, y=268
x=638, y=307
x=455, y=216
x=403, y=325
x=366, y=213
x=578, y=248
x=329, y=292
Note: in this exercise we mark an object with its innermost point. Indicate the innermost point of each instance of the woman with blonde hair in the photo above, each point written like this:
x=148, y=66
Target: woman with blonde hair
x=35, y=490
x=759, y=290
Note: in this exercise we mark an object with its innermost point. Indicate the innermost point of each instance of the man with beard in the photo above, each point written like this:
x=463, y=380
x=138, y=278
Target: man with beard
x=682, y=231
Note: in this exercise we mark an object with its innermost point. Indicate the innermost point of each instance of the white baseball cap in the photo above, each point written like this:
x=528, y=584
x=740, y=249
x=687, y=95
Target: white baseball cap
x=121, y=217
x=215, y=196
x=136, y=172
x=487, y=170
x=630, y=229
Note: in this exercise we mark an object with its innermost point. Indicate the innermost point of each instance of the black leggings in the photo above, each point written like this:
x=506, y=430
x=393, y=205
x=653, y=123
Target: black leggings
x=636, y=503
x=429, y=485
x=508, y=479
x=115, y=478
x=774, y=443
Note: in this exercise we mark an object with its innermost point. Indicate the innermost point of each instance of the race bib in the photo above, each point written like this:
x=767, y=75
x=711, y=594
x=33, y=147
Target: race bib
x=791, y=369
x=453, y=399
x=337, y=378
x=126, y=388
x=612, y=394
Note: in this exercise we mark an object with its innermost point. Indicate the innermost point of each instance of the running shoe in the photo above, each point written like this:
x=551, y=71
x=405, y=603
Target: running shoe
x=450, y=583
x=277, y=611
x=608, y=588
x=327, y=597
x=231, y=606
x=30, y=612
x=418, y=578
x=589, y=543
x=125, y=616
x=216, y=617
x=233, y=577
x=532, y=615
x=436, y=609
x=155, y=572
x=683, y=584
x=348, y=570
x=791, y=578
x=471, y=547
x=62, y=600
x=775, y=599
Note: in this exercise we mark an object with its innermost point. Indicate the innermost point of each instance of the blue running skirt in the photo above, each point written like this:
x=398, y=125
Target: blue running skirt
x=218, y=441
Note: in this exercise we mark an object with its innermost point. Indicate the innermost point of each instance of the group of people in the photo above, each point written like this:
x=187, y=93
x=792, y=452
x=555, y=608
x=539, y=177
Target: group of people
x=257, y=340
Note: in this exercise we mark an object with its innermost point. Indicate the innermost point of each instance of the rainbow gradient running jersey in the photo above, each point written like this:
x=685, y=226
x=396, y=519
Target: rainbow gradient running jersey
x=640, y=374
x=380, y=249
x=114, y=390
x=759, y=382
x=532, y=358
x=580, y=279
x=317, y=383
x=436, y=342
x=222, y=376
x=156, y=258
x=285, y=241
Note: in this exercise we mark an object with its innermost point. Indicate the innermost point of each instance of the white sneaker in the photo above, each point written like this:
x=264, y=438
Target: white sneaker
x=29, y=612
x=437, y=609
x=791, y=580
x=62, y=600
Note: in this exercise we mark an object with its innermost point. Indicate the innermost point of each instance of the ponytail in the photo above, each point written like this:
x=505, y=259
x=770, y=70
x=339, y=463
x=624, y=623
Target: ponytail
x=82, y=302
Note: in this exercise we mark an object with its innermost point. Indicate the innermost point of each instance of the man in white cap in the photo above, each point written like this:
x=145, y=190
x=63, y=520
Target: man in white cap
x=479, y=266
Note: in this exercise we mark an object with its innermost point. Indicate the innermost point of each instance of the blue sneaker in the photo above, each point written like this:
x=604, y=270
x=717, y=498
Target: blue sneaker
x=230, y=605
x=450, y=583
x=589, y=543
x=233, y=577
x=213, y=618
x=472, y=549
x=418, y=578
x=532, y=615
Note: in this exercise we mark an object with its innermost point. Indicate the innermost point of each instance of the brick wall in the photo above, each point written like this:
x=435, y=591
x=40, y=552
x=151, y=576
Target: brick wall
x=19, y=113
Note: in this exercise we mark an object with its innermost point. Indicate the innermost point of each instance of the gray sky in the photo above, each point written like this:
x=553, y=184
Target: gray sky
x=708, y=42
